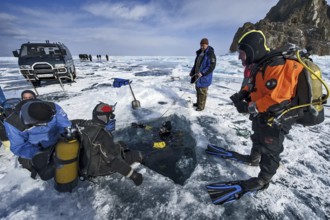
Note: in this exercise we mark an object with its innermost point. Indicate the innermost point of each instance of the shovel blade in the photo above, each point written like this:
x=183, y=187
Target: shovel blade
x=136, y=104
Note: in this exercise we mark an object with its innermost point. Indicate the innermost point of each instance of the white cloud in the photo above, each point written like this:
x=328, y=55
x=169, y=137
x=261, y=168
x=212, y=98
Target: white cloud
x=119, y=10
x=7, y=17
x=157, y=27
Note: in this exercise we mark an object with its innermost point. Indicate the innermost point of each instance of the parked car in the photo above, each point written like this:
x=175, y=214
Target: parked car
x=45, y=61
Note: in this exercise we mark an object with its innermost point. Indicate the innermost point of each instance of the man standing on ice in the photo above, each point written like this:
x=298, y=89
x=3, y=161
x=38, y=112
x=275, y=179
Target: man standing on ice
x=202, y=72
x=270, y=92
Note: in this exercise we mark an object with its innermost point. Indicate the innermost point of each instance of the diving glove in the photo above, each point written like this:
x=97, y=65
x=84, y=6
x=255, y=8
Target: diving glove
x=137, y=178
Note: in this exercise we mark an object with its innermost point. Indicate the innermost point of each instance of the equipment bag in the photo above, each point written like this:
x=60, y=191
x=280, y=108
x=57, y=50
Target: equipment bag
x=94, y=141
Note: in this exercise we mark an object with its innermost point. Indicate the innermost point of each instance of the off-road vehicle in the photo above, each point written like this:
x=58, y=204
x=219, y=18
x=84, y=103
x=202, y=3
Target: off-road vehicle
x=45, y=61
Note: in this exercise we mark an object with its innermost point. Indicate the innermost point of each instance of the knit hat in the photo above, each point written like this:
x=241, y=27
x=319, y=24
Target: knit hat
x=35, y=112
x=205, y=41
x=102, y=113
x=30, y=92
x=253, y=43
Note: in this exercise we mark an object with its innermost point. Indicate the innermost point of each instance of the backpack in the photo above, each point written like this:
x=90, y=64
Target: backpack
x=91, y=137
x=307, y=107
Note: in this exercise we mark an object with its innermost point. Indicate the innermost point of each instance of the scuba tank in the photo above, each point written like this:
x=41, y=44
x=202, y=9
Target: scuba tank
x=315, y=112
x=66, y=159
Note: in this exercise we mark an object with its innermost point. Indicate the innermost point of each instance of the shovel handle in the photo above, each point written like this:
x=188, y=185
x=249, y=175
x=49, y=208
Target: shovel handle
x=131, y=90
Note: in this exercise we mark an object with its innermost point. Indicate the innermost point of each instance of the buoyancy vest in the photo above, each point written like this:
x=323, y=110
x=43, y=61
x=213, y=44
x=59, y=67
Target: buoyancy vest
x=286, y=85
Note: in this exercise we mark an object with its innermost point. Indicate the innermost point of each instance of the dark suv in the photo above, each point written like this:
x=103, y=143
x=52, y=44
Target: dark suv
x=45, y=61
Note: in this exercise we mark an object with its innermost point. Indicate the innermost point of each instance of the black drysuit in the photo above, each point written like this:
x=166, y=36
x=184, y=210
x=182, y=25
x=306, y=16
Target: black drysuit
x=99, y=154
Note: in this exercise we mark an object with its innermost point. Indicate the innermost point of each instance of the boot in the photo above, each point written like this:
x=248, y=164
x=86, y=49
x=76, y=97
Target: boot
x=254, y=184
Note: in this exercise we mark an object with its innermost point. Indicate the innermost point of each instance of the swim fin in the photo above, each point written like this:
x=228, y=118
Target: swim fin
x=221, y=193
x=225, y=192
x=232, y=155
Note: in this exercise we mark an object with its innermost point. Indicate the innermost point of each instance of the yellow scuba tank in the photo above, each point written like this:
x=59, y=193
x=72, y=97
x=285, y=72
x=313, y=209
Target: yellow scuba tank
x=66, y=158
x=316, y=84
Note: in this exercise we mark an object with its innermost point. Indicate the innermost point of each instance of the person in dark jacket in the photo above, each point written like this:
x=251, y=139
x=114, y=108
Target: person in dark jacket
x=99, y=154
x=202, y=72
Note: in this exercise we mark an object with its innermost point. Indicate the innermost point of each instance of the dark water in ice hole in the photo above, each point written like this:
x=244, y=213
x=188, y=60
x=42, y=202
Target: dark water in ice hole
x=177, y=160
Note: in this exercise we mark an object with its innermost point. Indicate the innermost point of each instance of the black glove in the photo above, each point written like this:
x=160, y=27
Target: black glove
x=235, y=98
x=137, y=178
x=241, y=95
x=242, y=107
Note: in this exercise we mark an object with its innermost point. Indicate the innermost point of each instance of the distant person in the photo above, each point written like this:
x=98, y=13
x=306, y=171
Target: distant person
x=107, y=57
x=202, y=72
x=28, y=94
x=99, y=154
x=90, y=58
x=33, y=131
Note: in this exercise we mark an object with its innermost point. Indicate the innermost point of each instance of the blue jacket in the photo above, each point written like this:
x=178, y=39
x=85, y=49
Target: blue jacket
x=26, y=143
x=206, y=68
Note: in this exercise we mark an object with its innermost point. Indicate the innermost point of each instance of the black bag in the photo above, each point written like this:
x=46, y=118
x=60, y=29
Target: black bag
x=97, y=149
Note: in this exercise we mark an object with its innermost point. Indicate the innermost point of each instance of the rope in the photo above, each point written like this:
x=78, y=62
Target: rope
x=172, y=105
x=180, y=97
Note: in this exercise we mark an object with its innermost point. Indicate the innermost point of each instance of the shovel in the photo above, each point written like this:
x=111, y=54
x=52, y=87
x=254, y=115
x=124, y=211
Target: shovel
x=135, y=103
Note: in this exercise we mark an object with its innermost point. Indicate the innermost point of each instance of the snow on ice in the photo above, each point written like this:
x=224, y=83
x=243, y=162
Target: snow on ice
x=299, y=190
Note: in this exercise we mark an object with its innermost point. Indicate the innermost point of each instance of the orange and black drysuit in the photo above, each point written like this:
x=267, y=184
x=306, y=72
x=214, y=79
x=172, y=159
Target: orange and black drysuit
x=273, y=91
x=270, y=91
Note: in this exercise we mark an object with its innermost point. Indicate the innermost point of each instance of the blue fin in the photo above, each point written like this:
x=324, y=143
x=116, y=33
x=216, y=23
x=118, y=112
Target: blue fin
x=226, y=192
x=231, y=155
x=222, y=193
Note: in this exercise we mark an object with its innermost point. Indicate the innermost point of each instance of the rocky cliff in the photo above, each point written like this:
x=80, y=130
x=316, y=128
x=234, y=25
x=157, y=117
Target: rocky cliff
x=305, y=23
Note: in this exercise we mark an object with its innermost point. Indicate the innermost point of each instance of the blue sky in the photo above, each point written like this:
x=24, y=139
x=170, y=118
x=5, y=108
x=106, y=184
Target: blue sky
x=127, y=27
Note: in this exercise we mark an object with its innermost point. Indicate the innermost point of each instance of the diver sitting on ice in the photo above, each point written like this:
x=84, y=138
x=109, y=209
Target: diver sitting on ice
x=46, y=143
x=33, y=130
x=99, y=154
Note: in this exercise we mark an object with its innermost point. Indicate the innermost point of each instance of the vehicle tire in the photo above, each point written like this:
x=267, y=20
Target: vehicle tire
x=73, y=74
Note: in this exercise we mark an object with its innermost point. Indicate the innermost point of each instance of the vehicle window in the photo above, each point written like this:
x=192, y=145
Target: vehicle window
x=24, y=51
x=32, y=50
